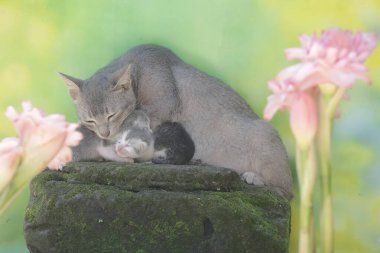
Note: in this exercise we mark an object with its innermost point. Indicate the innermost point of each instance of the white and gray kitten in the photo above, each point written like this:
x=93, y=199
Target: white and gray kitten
x=136, y=140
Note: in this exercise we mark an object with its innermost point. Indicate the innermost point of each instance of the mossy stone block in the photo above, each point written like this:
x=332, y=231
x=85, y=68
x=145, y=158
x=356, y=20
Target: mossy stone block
x=143, y=208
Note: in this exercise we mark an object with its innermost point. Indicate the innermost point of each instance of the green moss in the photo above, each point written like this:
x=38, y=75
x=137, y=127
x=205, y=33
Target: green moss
x=136, y=177
x=116, y=208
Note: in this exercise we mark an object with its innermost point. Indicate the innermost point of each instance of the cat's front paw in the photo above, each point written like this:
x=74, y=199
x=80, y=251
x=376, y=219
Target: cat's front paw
x=252, y=178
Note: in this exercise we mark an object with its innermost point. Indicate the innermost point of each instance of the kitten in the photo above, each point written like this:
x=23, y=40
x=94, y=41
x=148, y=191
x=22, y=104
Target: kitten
x=172, y=144
x=169, y=144
x=92, y=148
x=136, y=140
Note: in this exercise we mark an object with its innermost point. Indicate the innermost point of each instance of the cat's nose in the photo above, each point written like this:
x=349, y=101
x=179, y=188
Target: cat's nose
x=104, y=133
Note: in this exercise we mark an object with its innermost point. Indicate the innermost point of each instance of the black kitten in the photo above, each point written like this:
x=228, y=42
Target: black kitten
x=172, y=144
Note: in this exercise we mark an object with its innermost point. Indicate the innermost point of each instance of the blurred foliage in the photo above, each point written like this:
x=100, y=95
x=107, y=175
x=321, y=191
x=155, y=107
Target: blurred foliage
x=238, y=41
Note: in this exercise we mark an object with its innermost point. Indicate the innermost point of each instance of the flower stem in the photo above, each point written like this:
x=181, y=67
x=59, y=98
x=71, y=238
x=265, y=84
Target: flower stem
x=306, y=159
x=327, y=110
x=299, y=165
x=8, y=197
x=327, y=234
x=27, y=169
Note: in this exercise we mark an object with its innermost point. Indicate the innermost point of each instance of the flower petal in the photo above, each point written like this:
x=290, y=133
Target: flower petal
x=295, y=53
x=64, y=156
x=334, y=51
x=10, y=155
x=274, y=103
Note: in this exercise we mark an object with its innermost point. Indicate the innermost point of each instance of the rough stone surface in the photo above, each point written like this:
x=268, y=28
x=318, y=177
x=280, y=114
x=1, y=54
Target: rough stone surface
x=114, y=207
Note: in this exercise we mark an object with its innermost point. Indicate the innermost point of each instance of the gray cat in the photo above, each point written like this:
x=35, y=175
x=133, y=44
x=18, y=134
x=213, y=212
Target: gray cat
x=225, y=131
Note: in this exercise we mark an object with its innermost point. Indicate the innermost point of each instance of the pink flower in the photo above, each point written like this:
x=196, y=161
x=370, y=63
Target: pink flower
x=288, y=84
x=10, y=154
x=65, y=155
x=298, y=98
x=336, y=56
x=45, y=139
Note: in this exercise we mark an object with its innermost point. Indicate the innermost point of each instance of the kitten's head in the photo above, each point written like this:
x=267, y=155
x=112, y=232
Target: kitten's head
x=135, y=142
x=104, y=101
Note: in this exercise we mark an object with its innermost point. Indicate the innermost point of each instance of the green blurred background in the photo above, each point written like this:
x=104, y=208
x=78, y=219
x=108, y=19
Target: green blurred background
x=238, y=41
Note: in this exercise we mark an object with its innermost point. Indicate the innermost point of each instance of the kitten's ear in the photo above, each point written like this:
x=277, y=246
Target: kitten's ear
x=125, y=78
x=73, y=84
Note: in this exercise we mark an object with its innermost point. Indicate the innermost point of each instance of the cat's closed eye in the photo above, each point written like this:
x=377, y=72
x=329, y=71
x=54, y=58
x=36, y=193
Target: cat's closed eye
x=89, y=122
x=110, y=116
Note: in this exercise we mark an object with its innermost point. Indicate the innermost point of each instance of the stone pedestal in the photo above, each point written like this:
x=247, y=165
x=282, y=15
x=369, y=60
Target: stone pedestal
x=145, y=208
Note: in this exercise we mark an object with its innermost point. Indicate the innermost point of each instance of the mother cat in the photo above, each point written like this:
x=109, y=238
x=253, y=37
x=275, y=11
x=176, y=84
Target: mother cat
x=226, y=132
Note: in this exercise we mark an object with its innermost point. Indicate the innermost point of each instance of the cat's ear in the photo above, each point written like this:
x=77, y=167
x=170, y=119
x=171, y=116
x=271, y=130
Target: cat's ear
x=124, y=78
x=73, y=84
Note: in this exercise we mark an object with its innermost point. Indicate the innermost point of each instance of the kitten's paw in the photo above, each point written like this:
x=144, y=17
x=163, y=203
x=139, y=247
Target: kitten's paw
x=160, y=161
x=141, y=146
x=252, y=178
x=160, y=154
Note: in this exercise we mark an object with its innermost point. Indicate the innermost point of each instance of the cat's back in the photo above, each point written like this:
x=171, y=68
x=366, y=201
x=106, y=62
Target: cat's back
x=149, y=52
x=158, y=65
x=144, y=56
